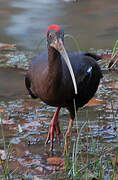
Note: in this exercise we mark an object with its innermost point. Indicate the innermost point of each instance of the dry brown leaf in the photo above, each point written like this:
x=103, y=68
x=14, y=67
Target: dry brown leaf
x=55, y=160
x=95, y=102
x=56, y=163
x=29, y=161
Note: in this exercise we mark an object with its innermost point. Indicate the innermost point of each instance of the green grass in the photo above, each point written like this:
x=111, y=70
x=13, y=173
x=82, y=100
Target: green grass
x=114, y=53
x=93, y=164
x=115, y=49
x=97, y=162
x=74, y=41
x=7, y=150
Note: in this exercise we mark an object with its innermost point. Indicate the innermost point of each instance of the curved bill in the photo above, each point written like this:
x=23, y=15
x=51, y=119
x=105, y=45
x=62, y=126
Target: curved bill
x=58, y=44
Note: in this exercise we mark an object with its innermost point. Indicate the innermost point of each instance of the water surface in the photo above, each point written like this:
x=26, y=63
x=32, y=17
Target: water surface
x=94, y=24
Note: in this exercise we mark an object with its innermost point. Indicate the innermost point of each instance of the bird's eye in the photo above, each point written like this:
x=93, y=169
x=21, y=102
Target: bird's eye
x=50, y=35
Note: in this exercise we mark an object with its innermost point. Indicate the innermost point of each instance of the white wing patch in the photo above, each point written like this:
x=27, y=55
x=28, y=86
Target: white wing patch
x=89, y=69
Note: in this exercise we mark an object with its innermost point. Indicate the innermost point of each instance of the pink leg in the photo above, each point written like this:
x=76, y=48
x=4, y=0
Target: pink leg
x=54, y=126
x=68, y=134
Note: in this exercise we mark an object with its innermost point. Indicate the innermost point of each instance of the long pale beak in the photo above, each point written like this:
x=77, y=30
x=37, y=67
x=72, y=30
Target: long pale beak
x=58, y=45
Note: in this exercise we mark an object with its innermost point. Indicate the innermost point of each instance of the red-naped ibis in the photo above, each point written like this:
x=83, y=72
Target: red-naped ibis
x=57, y=78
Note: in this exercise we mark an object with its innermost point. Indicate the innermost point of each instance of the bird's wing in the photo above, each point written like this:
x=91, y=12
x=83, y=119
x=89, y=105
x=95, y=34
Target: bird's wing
x=84, y=72
x=36, y=68
x=28, y=86
x=94, y=56
x=84, y=64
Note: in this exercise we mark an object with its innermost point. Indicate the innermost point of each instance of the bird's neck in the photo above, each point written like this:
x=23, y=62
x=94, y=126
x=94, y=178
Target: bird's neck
x=54, y=68
x=54, y=61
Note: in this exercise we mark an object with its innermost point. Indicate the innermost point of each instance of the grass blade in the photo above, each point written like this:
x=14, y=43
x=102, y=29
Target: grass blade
x=115, y=48
x=74, y=40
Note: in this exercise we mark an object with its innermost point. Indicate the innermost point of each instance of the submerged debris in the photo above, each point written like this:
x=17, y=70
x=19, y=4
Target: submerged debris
x=14, y=59
x=19, y=61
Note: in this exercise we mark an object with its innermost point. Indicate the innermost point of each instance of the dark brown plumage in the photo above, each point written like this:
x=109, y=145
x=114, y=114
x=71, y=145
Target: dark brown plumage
x=49, y=79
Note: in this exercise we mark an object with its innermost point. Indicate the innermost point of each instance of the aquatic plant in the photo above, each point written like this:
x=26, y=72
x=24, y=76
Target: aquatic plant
x=5, y=154
x=96, y=162
x=74, y=40
x=114, y=57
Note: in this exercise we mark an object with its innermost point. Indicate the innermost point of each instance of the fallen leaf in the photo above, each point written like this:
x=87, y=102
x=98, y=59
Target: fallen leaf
x=29, y=161
x=55, y=160
x=94, y=102
x=56, y=163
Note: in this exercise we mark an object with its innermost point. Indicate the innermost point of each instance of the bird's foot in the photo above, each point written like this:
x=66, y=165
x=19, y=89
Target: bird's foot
x=53, y=128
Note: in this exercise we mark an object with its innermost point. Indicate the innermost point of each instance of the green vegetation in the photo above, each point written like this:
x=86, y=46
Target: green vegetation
x=74, y=40
x=115, y=49
x=5, y=154
x=113, y=59
x=91, y=160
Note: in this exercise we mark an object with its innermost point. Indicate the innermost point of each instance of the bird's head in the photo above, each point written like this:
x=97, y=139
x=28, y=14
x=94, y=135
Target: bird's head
x=54, y=34
x=55, y=39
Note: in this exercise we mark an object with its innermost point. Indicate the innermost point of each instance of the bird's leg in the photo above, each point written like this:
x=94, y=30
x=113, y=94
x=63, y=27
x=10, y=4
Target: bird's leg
x=54, y=126
x=68, y=134
x=57, y=129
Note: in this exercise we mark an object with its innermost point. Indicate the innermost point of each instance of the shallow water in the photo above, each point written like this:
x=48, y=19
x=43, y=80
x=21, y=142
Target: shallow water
x=26, y=121
x=26, y=124
x=12, y=83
